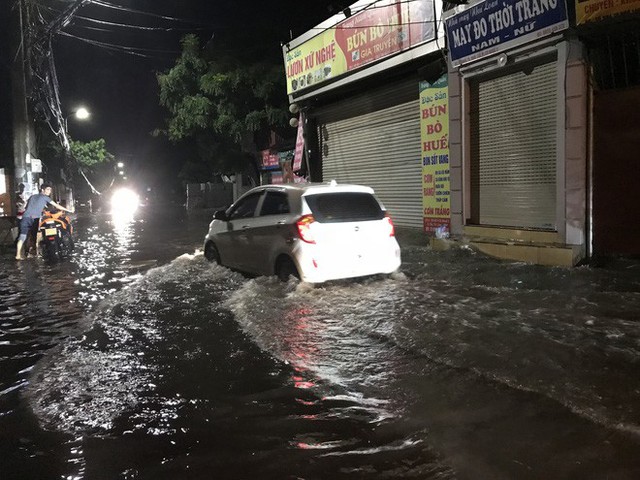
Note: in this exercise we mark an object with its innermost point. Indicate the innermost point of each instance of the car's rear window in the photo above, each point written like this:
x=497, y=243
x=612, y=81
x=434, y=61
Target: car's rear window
x=344, y=207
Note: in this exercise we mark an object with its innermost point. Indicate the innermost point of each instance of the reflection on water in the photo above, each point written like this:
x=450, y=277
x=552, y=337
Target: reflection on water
x=123, y=228
x=123, y=223
x=311, y=330
x=139, y=359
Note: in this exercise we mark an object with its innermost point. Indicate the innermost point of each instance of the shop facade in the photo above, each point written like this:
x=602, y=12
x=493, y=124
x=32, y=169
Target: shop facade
x=519, y=129
x=518, y=137
x=355, y=79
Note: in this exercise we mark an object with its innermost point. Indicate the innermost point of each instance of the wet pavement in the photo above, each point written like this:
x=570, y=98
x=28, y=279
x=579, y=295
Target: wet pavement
x=137, y=359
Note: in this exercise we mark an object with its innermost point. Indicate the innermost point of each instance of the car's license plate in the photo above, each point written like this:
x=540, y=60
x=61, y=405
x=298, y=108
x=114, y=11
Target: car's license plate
x=50, y=231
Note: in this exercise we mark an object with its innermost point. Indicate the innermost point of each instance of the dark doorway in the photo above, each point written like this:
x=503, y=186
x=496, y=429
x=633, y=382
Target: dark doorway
x=616, y=172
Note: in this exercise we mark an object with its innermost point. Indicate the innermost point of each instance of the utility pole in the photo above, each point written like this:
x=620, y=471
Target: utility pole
x=20, y=38
x=24, y=148
x=17, y=136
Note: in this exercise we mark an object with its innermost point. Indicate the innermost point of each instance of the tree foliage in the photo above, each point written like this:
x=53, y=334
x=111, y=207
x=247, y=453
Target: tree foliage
x=221, y=104
x=96, y=163
x=91, y=155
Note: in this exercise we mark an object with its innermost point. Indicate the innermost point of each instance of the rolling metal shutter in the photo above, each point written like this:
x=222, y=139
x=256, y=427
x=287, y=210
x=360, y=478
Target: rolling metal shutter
x=513, y=143
x=380, y=149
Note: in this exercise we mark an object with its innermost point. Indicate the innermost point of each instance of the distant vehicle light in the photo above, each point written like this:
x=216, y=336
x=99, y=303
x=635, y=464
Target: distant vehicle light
x=124, y=202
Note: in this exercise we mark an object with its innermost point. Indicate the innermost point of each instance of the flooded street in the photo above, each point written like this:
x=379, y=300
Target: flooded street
x=138, y=359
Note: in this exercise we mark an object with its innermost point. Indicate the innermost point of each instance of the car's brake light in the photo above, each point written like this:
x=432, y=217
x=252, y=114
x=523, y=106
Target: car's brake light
x=304, y=228
x=392, y=229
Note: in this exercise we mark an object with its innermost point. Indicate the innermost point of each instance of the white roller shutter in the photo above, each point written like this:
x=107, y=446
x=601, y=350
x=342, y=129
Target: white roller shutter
x=513, y=141
x=380, y=149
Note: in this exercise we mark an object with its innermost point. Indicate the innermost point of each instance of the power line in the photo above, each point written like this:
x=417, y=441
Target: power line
x=136, y=27
x=125, y=25
x=142, y=12
x=122, y=48
x=64, y=18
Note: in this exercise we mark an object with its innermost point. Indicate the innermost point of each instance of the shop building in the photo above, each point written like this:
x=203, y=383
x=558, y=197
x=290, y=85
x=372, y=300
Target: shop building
x=518, y=137
x=545, y=119
x=519, y=130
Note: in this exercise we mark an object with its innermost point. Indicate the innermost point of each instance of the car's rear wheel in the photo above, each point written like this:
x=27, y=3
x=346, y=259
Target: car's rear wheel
x=285, y=268
x=211, y=253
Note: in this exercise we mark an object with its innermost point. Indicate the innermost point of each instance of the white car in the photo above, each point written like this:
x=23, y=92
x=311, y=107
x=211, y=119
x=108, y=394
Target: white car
x=316, y=232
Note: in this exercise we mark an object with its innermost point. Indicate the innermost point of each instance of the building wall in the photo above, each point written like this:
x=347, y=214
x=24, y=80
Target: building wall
x=19, y=125
x=457, y=177
x=576, y=135
x=6, y=110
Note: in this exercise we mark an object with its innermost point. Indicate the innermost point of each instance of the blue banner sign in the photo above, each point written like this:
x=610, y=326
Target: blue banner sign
x=491, y=26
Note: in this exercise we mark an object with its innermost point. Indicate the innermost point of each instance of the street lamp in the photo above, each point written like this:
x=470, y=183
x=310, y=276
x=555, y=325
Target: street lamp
x=82, y=113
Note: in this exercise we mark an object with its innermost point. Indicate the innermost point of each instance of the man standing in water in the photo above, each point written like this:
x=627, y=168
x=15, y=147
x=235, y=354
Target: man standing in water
x=32, y=213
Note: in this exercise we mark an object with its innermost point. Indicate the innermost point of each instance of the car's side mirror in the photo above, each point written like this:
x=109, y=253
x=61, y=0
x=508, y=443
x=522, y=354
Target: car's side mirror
x=220, y=215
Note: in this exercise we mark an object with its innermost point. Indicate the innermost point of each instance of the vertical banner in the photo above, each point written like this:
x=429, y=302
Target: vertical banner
x=299, y=151
x=434, y=131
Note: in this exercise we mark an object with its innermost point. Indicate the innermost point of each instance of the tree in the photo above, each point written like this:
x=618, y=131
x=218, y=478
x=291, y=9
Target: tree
x=95, y=162
x=92, y=158
x=222, y=105
x=91, y=155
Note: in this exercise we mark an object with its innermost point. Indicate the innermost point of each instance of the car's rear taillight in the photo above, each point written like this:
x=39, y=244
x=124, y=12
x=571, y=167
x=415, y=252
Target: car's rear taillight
x=304, y=228
x=392, y=229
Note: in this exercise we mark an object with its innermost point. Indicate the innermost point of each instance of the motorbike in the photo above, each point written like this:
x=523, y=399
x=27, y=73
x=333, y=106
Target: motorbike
x=56, y=235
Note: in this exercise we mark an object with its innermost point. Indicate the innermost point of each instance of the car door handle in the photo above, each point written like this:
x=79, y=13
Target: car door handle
x=244, y=227
x=281, y=222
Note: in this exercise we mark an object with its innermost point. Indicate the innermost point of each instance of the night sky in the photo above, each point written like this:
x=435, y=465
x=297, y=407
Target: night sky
x=121, y=89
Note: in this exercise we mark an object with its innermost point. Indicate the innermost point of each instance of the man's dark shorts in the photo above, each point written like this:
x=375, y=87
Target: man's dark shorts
x=26, y=224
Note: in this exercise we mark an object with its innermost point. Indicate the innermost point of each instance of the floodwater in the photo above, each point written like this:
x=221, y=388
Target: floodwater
x=137, y=359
